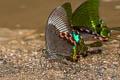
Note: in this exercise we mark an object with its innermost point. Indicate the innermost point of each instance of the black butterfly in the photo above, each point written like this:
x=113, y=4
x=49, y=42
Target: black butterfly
x=61, y=40
x=86, y=20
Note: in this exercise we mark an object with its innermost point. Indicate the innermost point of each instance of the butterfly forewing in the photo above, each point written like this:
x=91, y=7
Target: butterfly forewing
x=68, y=9
x=58, y=18
x=85, y=13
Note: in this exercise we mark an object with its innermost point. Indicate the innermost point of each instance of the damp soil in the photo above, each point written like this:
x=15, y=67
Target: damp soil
x=22, y=41
x=21, y=58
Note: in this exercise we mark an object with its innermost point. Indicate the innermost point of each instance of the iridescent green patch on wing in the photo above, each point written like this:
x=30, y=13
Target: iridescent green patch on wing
x=83, y=48
x=80, y=48
x=68, y=8
x=85, y=13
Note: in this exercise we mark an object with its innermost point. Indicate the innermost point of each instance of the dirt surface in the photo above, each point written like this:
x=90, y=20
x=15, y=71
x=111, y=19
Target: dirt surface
x=21, y=44
x=21, y=58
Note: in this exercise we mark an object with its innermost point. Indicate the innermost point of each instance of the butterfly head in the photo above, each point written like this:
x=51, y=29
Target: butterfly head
x=102, y=30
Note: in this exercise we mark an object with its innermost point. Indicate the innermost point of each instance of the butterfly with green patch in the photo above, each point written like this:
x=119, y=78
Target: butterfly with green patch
x=87, y=15
x=61, y=41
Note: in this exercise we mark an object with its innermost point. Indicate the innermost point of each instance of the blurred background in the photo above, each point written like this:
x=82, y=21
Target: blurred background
x=33, y=14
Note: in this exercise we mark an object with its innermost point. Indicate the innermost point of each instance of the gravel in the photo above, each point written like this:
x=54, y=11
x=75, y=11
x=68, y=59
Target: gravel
x=21, y=58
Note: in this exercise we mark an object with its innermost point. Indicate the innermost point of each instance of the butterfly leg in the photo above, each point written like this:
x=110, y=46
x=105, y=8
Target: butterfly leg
x=101, y=38
x=76, y=58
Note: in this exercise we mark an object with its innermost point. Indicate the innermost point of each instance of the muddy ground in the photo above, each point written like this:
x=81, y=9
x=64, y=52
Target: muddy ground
x=22, y=40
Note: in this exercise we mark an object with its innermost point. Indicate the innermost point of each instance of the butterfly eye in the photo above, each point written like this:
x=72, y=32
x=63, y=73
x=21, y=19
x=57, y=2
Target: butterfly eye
x=100, y=20
x=99, y=25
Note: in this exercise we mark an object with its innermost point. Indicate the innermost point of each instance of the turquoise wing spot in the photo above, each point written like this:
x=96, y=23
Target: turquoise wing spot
x=100, y=20
x=74, y=47
x=76, y=37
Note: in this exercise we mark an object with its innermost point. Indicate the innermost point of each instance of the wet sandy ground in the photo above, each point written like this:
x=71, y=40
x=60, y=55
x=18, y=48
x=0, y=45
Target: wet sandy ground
x=21, y=56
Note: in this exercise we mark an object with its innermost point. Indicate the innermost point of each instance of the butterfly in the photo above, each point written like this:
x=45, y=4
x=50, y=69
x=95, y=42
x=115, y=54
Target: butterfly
x=61, y=40
x=86, y=19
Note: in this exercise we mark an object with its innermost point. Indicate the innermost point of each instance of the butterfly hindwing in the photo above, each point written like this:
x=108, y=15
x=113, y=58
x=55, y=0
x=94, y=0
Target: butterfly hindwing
x=58, y=22
x=56, y=45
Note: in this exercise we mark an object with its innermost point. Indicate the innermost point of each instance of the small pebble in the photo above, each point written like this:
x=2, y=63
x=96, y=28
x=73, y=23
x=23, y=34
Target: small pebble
x=64, y=71
x=42, y=34
x=114, y=41
x=99, y=74
x=2, y=61
x=113, y=76
x=118, y=36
